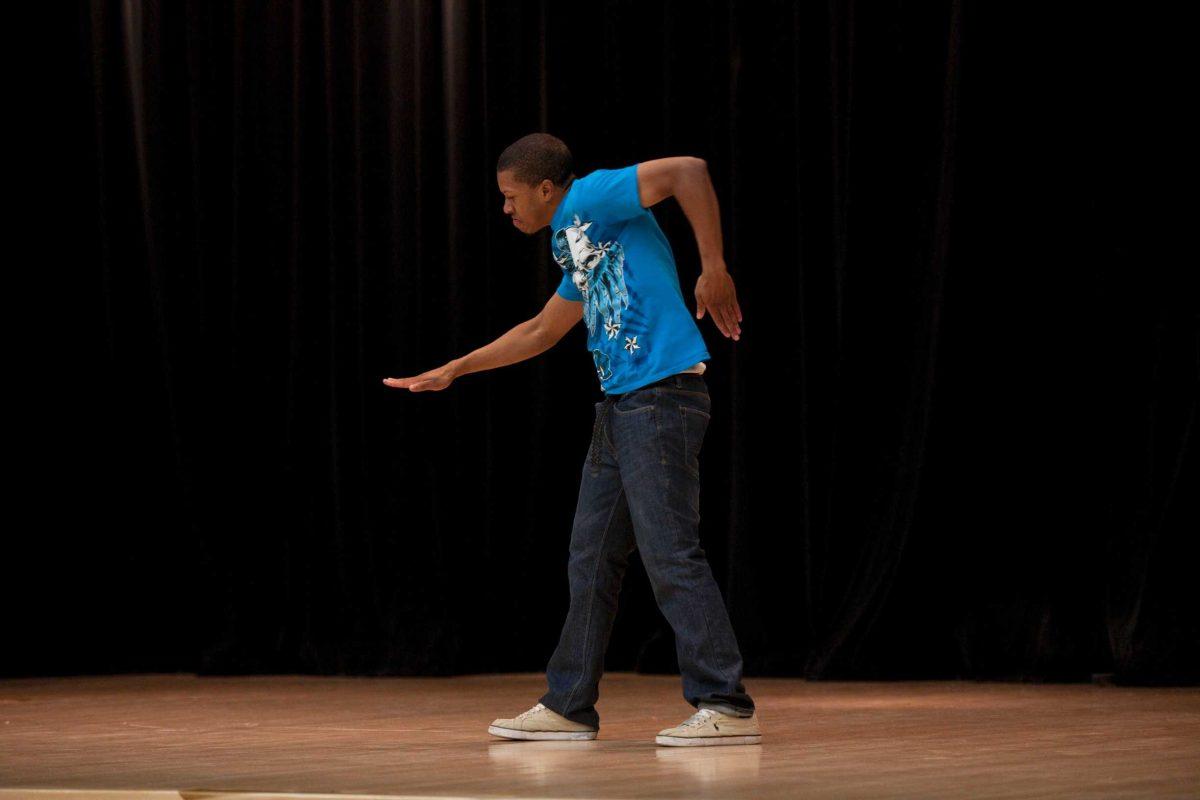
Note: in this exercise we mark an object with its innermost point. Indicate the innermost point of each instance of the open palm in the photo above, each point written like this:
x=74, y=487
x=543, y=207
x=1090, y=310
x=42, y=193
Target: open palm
x=432, y=381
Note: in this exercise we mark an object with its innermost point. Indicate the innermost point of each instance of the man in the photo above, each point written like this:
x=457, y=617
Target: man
x=640, y=484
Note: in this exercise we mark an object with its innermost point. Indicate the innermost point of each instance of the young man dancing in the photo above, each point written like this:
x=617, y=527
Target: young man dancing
x=640, y=485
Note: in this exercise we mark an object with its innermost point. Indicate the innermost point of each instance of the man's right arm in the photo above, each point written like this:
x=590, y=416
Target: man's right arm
x=532, y=337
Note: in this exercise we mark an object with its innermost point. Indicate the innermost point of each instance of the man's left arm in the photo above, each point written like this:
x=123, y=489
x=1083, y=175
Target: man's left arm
x=687, y=180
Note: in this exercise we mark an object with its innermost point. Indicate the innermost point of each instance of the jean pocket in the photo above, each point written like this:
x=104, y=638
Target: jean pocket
x=686, y=393
x=636, y=402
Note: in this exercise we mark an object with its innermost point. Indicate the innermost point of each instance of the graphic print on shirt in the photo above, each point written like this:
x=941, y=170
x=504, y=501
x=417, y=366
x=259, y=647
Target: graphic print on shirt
x=602, y=362
x=597, y=271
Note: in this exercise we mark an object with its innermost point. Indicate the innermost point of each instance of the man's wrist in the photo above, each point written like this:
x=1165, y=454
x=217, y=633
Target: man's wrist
x=713, y=265
x=457, y=367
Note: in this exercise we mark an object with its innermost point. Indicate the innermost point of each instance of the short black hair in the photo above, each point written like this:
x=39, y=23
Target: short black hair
x=536, y=157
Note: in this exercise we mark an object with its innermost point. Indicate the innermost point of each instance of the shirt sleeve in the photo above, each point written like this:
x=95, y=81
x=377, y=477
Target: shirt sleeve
x=566, y=288
x=611, y=195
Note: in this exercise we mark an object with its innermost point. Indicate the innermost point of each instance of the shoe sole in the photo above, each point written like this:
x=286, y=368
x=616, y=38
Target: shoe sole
x=700, y=741
x=512, y=733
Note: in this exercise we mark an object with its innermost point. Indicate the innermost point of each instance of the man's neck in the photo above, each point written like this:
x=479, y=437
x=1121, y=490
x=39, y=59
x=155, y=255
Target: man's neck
x=561, y=194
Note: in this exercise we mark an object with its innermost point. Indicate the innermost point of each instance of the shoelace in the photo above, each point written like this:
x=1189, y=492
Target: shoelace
x=699, y=718
x=533, y=710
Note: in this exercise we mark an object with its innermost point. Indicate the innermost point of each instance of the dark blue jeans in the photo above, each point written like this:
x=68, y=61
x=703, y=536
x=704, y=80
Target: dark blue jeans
x=641, y=489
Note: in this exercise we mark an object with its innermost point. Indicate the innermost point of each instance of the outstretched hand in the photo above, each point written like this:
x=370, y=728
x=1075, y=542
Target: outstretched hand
x=433, y=380
x=715, y=293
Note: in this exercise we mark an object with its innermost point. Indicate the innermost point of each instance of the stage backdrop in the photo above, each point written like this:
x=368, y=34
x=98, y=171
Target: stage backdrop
x=957, y=437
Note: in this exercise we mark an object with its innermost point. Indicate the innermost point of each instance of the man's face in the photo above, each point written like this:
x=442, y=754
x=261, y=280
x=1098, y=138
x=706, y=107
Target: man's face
x=529, y=206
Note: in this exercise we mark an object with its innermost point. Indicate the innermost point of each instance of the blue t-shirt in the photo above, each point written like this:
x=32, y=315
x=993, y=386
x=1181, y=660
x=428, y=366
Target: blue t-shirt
x=618, y=263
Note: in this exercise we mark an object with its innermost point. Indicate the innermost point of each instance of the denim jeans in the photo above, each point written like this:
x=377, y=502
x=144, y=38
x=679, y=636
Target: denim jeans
x=640, y=488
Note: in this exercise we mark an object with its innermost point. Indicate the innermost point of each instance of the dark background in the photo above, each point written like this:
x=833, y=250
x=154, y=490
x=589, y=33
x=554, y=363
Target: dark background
x=957, y=438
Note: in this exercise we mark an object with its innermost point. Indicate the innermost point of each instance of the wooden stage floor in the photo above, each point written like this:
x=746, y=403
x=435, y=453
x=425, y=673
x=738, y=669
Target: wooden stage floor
x=179, y=735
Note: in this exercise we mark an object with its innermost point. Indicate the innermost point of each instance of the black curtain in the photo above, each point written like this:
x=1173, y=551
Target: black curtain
x=957, y=438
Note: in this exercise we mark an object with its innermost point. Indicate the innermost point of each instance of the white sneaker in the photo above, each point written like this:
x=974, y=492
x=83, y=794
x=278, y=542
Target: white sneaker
x=540, y=722
x=709, y=726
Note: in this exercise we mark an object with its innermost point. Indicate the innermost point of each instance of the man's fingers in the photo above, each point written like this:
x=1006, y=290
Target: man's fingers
x=414, y=383
x=726, y=317
x=715, y=314
x=719, y=319
x=726, y=322
x=732, y=316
